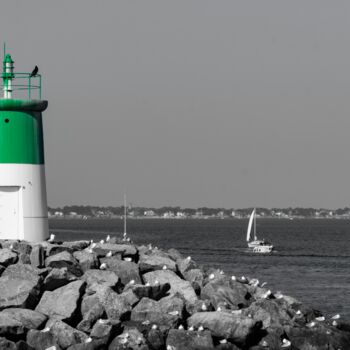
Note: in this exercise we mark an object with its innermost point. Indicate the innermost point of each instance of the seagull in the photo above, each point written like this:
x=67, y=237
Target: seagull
x=285, y=343
x=52, y=238
x=34, y=72
x=164, y=267
x=334, y=323
x=222, y=272
x=108, y=238
x=298, y=312
x=200, y=328
x=204, y=307
x=320, y=319
x=88, y=340
x=233, y=278
x=132, y=282
x=211, y=276
x=263, y=284
x=181, y=326
x=191, y=328
x=109, y=254
x=336, y=317
x=223, y=341
x=154, y=326
x=188, y=258
x=103, y=266
x=102, y=241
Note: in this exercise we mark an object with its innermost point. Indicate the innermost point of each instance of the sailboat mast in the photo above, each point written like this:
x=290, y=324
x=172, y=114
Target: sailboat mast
x=124, y=214
x=254, y=225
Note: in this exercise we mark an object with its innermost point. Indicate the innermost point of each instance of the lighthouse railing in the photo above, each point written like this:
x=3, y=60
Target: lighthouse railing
x=24, y=85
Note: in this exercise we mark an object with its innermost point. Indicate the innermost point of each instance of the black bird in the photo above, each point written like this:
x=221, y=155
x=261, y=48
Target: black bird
x=35, y=71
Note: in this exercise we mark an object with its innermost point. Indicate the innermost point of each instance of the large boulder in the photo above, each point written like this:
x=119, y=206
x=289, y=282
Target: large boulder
x=91, y=309
x=30, y=319
x=164, y=314
x=7, y=257
x=318, y=337
x=125, y=270
x=10, y=327
x=58, y=278
x=154, y=262
x=42, y=340
x=76, y=245
x=271, y=313
x=131, y=339
x=123, y=250
x=189, y=340
x=155, y=292
x=224, y=325
x=52, y=248
x=117, y=306
x=177, y=284
x=86, y=260
x=8, y=344
x=108, y=278
x=185, y=265
x=103, y=330
x=226, y=294
x=63, y=302
x=20, y=287
x=64, y=259
x=64, y=334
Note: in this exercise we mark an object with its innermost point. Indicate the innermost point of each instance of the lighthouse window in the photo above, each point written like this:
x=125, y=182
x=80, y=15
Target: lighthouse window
x=7, y=120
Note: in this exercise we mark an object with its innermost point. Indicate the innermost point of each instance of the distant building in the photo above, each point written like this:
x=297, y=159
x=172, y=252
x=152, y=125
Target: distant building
x=149, y=213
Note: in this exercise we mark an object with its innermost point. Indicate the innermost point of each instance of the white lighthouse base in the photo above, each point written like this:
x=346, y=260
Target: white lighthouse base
x=23, y=204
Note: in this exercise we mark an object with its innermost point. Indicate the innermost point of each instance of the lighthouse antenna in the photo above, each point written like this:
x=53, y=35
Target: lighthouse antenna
x=4, y=49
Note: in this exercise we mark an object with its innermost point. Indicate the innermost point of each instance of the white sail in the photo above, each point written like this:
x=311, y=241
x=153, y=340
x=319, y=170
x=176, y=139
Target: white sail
x=252, y=215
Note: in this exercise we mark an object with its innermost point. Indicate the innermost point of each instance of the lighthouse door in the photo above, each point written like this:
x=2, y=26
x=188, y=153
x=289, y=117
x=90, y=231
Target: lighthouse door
x=9, y=216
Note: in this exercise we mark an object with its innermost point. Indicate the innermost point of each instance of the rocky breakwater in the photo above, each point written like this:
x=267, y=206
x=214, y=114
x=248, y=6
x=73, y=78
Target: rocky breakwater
x=115, y=295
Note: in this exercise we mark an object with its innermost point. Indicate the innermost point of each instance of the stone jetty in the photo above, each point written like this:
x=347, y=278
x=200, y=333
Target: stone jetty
x=115, y=295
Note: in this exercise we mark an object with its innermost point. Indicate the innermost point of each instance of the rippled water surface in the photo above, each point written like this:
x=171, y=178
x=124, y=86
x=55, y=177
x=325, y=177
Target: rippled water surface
x=311, y=262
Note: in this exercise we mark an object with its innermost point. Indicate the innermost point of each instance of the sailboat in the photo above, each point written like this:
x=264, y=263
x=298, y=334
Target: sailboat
x=125, y=234
x=254, y=244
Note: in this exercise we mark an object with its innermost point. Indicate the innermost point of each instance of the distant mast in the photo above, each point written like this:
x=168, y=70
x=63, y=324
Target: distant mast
x=124, y=215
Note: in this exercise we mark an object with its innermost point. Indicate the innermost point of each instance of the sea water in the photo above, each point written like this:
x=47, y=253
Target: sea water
x=311, y=261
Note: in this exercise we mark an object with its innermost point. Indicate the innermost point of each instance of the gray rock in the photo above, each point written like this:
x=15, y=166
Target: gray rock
x=154, y=262
x=185, y=265
x=131, y=339
x=174, y=254
x=10, y=327
x=30, y=319
x=226, y=294
x=76, y=245
x=7, y=257
x=91, y=309
x=86, y=260
x=189, y=340
x=62, y=303
x=125, y=270
x=37, y=256
x=199, y=306
x=103, y=330
x=58, y=278
x=194, y=276
x=153, y=292
x=177, y=284
x=20, y=287
x=41, y=340
x=53, y=249
x=109, y=278
x=7, y=344
x=117, y=306
x=224, y=325
x=117, y=249
x=65, y=335
x=272, y=313
x=64, y=259
x=152, y=311
x=156, y=339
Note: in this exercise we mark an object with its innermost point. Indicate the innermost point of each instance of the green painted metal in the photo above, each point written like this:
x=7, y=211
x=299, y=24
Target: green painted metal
x=21, y=131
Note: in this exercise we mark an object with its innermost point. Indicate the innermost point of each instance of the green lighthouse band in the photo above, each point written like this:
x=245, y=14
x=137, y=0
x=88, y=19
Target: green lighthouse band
x=21, y=131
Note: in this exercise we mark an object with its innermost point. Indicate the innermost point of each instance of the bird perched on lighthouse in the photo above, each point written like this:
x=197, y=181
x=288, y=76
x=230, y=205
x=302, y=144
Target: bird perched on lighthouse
x=34, y=72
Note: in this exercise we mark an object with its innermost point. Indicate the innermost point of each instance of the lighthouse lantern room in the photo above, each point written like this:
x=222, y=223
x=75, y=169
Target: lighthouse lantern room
x=23, y=203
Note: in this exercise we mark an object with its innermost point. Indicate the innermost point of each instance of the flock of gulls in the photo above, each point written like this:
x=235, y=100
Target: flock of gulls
x=253, y=282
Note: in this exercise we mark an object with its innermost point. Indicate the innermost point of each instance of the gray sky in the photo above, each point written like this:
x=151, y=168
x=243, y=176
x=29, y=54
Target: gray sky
x=191, y=103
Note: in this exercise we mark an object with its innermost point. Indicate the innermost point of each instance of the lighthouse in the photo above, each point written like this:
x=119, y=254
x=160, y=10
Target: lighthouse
x=23, y=202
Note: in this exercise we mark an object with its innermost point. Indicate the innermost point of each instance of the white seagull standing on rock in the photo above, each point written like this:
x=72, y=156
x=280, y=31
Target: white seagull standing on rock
x=52, y=238
x=336, y=317
x=103, y=266
x=109, y=254
x=108, y=238
x=286, y=343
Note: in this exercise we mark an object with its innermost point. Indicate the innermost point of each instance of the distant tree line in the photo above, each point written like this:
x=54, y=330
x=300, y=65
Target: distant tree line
x=89, y=210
